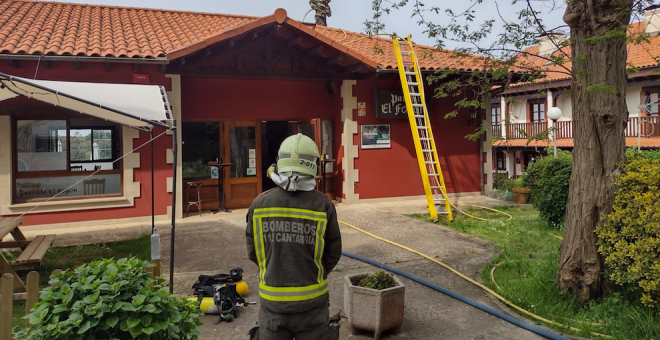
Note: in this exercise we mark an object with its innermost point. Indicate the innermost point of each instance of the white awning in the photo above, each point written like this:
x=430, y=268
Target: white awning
x=132, y=105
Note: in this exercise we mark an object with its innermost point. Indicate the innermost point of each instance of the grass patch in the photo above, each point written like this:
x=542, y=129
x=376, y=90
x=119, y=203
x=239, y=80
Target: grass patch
x=528, y=263
x=70, y=257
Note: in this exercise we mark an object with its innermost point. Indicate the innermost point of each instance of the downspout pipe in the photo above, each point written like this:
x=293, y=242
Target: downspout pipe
x=489, y=310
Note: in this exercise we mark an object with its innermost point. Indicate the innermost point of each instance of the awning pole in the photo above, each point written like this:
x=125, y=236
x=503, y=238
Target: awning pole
x=173, y=226
x=153, y=197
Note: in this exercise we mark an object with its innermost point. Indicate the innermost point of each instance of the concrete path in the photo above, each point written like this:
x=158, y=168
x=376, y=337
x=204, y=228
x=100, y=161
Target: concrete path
x=216, y=243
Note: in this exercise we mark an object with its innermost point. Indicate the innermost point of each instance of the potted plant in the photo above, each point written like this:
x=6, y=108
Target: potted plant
x=374, y=302
x=520, y=193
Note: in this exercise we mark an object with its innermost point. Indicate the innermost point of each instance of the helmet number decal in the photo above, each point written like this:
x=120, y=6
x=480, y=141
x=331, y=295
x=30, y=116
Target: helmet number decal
x=308, y=164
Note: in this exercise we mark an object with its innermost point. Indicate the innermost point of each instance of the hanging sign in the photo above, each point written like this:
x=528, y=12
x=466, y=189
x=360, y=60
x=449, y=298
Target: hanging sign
x=391, y=104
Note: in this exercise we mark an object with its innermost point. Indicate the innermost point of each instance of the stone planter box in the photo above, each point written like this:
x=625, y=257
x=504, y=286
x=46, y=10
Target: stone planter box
x=373, y=310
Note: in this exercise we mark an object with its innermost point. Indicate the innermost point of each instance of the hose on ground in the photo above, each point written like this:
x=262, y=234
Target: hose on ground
x=499, y=297
x=489, y=310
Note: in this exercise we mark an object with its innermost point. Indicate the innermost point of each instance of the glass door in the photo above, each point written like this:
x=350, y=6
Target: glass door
x=241, y=148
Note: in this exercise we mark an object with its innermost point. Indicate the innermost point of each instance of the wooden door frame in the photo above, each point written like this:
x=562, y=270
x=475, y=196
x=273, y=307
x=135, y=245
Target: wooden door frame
x=226, y=157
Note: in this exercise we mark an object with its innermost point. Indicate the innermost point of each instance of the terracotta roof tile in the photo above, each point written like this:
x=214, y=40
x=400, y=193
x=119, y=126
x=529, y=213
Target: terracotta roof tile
x=53, y=28
x=642, y=55
x=646, y=142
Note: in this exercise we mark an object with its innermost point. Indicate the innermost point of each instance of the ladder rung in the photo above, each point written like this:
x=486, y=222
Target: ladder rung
x=415, y=94
x=430, y=162
x=418, y=105
x=411, y=73
x=422, y=127
x=443, y=212
x=405, y=52
x=413, y=84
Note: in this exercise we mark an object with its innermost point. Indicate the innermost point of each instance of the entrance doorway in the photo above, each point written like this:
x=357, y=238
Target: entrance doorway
x=242, y=148
x=252, y=148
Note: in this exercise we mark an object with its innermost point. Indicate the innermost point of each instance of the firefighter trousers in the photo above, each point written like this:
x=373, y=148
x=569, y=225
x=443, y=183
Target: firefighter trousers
x=310, y=325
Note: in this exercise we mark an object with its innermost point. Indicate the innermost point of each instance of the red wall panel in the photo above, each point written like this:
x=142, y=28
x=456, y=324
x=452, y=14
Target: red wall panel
x=254, y=99
x=395, y=172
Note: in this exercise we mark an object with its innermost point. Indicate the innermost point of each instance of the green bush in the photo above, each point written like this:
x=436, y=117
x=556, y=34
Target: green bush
x=630, y=237
x=549, y=179
x=110, y=299
x=380, y=280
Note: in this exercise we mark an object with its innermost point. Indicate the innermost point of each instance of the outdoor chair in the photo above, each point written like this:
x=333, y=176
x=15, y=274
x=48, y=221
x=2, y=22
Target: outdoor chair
x=94, y=187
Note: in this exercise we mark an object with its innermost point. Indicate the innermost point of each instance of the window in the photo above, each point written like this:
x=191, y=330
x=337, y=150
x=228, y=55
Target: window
x=41, y=145
x=537, y=111
x=500, y=160
x=55, y=157
x=201, y=144
x=652, y=99
x=495, y=114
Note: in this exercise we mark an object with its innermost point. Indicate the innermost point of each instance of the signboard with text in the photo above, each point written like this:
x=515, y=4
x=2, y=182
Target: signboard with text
x=391, y=104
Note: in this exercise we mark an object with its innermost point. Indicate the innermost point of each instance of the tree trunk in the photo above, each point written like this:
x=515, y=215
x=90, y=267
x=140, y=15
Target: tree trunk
x=599, y=118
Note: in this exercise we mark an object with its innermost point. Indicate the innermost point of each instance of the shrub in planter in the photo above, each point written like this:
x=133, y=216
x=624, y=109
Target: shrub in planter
x=374, y=302
x=630, y=237
x=520, y=193
x=110, y=299
x=548, y=179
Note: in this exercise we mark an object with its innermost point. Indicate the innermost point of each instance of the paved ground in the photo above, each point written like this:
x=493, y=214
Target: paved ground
x=216, y=243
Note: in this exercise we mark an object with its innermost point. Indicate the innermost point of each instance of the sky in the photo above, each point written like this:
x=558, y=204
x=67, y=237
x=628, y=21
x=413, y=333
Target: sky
x=351, y=14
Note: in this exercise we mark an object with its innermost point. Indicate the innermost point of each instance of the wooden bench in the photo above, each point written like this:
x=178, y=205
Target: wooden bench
x=33, y=251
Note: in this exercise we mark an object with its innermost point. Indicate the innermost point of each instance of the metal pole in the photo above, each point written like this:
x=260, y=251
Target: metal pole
x=554, y=135
x=173, y=226
x=153, y=197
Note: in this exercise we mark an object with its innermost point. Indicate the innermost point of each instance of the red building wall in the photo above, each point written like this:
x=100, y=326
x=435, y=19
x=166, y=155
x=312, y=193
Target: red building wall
x=395, y=172
x=253, y=99
x=123, y=74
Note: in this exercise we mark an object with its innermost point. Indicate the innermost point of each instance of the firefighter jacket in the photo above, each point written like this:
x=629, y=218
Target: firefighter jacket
x=294, y=238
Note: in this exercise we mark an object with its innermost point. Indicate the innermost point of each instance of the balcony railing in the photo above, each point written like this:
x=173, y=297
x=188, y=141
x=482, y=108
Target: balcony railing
x=496, y=130
x=525, y=130
x=648, y=127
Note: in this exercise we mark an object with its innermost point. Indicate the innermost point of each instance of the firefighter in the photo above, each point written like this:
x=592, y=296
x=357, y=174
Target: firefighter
x=293, y=237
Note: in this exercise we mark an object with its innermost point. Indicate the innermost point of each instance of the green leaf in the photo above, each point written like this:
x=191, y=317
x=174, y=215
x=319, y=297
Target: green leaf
x=106, y=287
x=149, y=308
x=148, y=330
x=112, y=321
x=135, y=331
x=84, y=327
x=138, y=299
x=132, y=321
x=116, y=306
x=59, y=309
x=146, y=320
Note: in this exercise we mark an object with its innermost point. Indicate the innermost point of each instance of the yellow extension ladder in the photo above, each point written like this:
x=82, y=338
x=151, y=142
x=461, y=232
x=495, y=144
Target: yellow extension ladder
x=420, y=125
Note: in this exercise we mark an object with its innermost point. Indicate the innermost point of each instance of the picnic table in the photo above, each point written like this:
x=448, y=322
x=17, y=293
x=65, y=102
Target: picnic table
x=32, y=251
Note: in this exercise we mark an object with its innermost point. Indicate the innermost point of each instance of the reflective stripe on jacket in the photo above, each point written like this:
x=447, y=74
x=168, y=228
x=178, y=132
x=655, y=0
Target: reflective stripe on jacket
x=294, y=239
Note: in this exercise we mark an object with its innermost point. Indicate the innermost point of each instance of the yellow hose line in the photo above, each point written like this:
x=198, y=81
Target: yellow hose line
x=367, y=36
x=492, y=278
x=553, y=235
x=501, y=298
x=478, y=206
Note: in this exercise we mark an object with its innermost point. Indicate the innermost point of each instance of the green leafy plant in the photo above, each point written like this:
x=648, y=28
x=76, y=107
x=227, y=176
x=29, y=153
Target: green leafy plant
x=630, y=237
x=549, y=179
x=379, y=280
x=518, y=183
x=110, y=299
